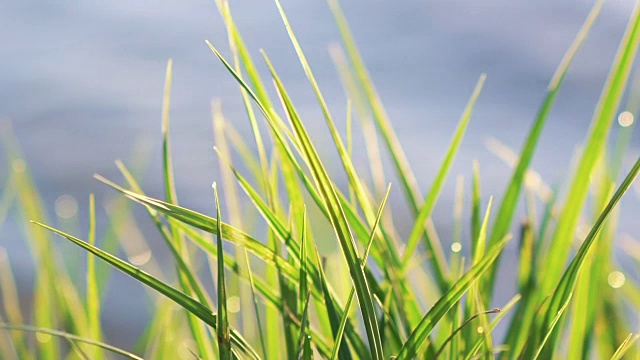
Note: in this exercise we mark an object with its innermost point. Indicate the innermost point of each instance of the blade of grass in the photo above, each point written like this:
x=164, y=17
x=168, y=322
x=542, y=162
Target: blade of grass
x=93, y=298
x=438, y=260
x=224, y=336
x=566, y=285
x=70, y=337
x=595, y=144
x=507, y=207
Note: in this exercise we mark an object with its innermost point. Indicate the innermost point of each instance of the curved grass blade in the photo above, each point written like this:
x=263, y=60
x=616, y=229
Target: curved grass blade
x=594, y=147
x=70, y=337
x=507, y=208
x=458, y=329
x=566, y=285
x=178, y=297
x=624, y=347
x=410, y=348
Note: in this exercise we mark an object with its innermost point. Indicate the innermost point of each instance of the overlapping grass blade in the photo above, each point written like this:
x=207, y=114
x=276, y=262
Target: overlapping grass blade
x=71, y=337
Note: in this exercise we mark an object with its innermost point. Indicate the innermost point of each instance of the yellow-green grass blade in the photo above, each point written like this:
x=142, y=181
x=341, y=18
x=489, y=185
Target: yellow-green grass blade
x=566, y=285
x=11, y=305
x=8, y=346
x=507, y=207
x=345, y=316
x=209, y=225
x=188, y=303
x=398, y=157
x=473, y=350
x=199, y=333
x=339, y=222
x=30, y=206
x=303, y=286
x=93, y=296
x=354, y=181
x=71, y=337
x=476, y=195
x=595, y=145
x=439, y=266
x=624, y=347
x=458, y=329
x=446, y=302
x=368, y=128
x=251, y=325
x=224, y=335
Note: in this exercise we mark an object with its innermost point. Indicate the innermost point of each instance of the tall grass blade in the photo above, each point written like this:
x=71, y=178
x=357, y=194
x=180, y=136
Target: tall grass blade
x=506, y=210
x=594, y=147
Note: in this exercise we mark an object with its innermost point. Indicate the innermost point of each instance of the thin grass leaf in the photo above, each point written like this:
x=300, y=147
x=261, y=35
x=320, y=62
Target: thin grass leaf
x=93, y=297
x=624, y=347
x=458, y=329
x=178, y=297
x=507, y=207
x=447, y=301
x=438, y=260
x=224, y=336
x=594, y=146
x=566, y=285
x=70, y=337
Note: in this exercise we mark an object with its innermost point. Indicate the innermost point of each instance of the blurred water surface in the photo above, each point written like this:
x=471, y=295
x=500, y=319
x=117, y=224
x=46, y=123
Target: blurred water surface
x=82, y=84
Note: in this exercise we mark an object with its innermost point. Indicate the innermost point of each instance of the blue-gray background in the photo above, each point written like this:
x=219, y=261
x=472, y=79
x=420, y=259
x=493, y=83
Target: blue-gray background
x=81, y=84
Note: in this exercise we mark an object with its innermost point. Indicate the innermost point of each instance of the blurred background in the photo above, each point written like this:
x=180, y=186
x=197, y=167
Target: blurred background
x=82, y=82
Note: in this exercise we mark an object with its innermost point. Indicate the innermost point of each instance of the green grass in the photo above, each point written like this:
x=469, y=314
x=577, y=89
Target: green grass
x=278, y=293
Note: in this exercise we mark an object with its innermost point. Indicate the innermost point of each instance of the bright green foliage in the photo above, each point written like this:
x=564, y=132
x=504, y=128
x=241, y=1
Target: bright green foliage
x=281, y=292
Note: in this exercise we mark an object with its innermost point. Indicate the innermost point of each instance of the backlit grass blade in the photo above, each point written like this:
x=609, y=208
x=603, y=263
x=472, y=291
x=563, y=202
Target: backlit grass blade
x=339, y=222
x=594, y=146
x=11, y=304
x=447, y=301
x=457, y=330
x=400, y=162
x=507, y=207
x=178, y=297
x=67, y=336
x=441, y=273
x=207, y=224
x=624, y=347
x=93, y=297
x=224, y=336
x=566, y=285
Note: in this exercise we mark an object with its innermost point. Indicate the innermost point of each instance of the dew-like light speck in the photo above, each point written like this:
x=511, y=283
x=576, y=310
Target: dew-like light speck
x=66, y=206
x=480, y=329
x=233, y=304
x=141, y=258
x=456, y=247
x=625, y=119
x=43, y=338
x=616, y=279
